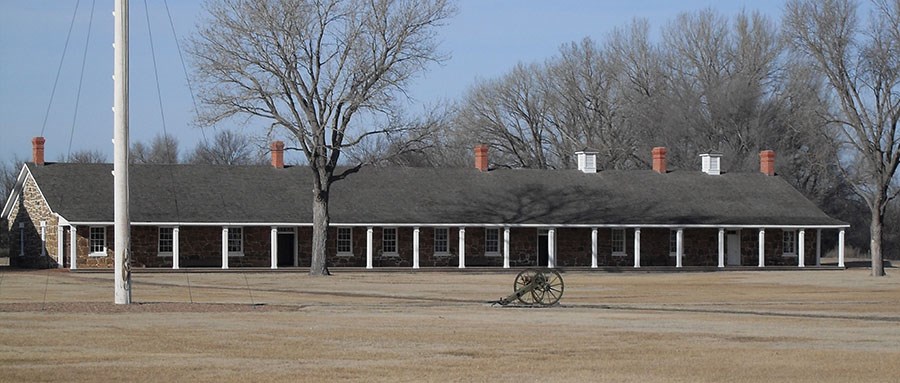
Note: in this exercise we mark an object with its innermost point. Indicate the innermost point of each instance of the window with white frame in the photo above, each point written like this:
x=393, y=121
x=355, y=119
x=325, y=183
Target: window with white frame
x=789, y=243
x=441, y=240
x=345, y=240
x=97, y=241
x=673, y=243
x=389, y=240
x=166, y=241
x=235, y=240
x=618, y=241
x=492, y=241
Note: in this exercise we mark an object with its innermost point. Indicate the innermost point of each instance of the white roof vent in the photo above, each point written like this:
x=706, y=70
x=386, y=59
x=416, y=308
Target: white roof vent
x=587, y=160
x=711, y=163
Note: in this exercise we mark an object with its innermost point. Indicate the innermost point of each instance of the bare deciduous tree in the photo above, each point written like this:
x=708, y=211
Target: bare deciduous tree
x=510, y=114
x=86, y=157
x=862, y=67
x=718, y=73
x=163, y=149
x=312, y=69
x=227, y=148
x=9, y=173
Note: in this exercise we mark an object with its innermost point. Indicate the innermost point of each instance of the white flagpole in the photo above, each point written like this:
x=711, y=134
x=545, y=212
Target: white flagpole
x=120, y=153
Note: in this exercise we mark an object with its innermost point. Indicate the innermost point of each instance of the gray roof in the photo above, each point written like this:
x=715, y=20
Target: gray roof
x=399, y=195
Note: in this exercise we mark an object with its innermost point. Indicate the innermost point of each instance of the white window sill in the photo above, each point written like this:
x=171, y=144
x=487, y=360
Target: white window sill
x=390, y=254
x=619, y=254
x=673, y=255
x=345, y=254
x=164, y=255
x=97, y=255
x=235, y=253
x=492, y=254
x=789, y=255
x=442, y=254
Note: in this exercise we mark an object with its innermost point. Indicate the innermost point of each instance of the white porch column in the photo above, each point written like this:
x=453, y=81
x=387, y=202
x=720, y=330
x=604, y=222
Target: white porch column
x=43, y=238
x=762, y=248
x=224, y=247
x=176, y=262
x=801, y=248
x=505, y=247
x=841, y=248
x=60, y=246
x=637, y=248
x=679, y=247
x=721, y=247
x=369, y=250
x=551, y=248
x=594, y=248
x=818, y=247
x=462, y=248
x=73, y=247
x=273, y=248
x=416, y=247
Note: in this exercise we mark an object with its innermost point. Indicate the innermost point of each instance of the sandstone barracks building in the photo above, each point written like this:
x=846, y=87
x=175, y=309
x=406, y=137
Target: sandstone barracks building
x=61, y=215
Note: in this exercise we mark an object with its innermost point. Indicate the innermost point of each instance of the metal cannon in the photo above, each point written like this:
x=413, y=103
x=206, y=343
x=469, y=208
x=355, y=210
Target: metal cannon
x=536, y=287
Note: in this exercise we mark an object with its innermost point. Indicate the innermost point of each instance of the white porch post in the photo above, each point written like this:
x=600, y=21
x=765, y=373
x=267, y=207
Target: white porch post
x=60, y=246
x=73, y=247
x=43, y=238
x=721, y=247
x=594, y=248
x=176, y=261
x=273, y=248
x=679, y=247
x=505, y=247
x=762, y=248
x=818, y=247
x=551, y=248
x=801, y=248
x=462, y=248
x=224, y=247
x=369, y=250
x=841, y=248
x=637, y=248
x=416, y=247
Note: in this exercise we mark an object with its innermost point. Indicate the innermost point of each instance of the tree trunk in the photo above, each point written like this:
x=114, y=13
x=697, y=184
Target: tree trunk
x=875, y=243
x=320, y=233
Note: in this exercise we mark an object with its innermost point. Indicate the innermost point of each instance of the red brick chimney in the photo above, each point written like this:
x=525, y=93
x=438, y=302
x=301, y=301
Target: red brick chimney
x=767, y=162
x=278, y=154
x=37, y=150
x=481, y=157
x=659, y=159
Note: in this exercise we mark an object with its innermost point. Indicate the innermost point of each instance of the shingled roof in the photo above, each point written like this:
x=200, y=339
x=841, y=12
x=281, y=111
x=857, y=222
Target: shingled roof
x=428, y=196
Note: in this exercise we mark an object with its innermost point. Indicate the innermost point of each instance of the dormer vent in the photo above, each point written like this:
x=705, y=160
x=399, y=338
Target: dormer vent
x=587, y=160
x=711, y=163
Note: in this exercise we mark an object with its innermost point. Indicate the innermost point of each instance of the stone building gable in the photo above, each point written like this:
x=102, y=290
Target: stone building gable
x=29, y=209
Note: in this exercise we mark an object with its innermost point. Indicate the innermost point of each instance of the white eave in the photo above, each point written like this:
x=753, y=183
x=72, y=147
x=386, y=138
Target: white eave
x=492, y=225
x=15, y=192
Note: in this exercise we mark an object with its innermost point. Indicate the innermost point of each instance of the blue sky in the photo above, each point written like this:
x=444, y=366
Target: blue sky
x=485, y=39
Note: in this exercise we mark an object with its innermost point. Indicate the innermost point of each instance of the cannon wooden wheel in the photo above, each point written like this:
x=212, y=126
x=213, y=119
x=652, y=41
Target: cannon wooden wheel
x=551, y=289
x=536, y=287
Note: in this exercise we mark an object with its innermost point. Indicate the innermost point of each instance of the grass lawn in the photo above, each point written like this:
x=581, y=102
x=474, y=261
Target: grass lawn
x=791, y=326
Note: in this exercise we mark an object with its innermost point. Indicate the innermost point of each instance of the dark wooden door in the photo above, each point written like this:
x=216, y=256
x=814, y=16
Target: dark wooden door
x=286, y=244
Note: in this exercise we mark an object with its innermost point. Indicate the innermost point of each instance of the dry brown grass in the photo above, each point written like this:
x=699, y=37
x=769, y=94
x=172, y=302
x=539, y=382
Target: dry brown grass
x=681, y=327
